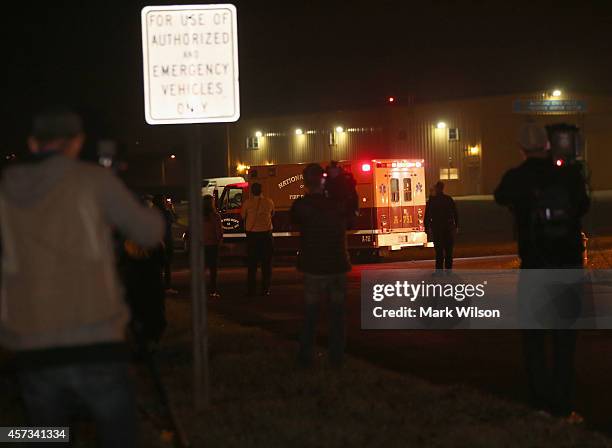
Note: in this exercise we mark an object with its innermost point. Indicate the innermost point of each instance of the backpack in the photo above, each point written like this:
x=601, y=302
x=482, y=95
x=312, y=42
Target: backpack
x=551, y=214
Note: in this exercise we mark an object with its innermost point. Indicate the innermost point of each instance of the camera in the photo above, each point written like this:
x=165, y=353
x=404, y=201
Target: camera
x=340, y=186
x=566, y=144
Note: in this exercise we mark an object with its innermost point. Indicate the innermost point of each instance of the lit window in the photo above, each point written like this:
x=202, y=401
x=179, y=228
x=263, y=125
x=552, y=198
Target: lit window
x=395, y=194
x=449, y=173
x=407, y=189
x=252, y=143
x=453, y=134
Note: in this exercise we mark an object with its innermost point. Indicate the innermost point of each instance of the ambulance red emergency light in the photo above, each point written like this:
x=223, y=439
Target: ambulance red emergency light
x=392, y=197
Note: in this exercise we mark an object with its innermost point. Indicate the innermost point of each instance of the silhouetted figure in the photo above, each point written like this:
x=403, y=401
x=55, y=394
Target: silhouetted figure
x=257, y=213
x=324, y=260
x=62, y=308
x=142, y=271
x=159, y=201
x=212, y=237
x=442, y=223
x=548, y=203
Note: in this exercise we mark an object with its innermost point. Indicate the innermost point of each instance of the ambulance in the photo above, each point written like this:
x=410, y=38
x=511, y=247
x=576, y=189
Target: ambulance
x=392, y=197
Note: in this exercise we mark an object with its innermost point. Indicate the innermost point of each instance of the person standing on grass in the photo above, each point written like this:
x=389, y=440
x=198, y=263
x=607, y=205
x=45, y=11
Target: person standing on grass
x=160, y=201
x=62, y=310
x=548, y=203
x=442, y=223
x=257, y=213
x=142, y=272
x=212, y=237
x=324, y=260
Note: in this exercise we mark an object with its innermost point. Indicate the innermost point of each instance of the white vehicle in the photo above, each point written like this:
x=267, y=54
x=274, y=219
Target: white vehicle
x=209, y=186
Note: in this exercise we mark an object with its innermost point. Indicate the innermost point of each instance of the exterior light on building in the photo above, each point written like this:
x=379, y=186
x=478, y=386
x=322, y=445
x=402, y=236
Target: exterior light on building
x=474, y=150
x=173, y=156
x=339, y=129
x=418, y=164
x=441, y=125
x=241, y=168
x=557, y=93
x=298, y=131
x=366, y=167
x=258, y=134
x=391, y=99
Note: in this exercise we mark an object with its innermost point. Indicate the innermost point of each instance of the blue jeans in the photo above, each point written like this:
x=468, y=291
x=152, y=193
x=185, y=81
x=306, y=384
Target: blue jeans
x=54, y=395
x=317, y=287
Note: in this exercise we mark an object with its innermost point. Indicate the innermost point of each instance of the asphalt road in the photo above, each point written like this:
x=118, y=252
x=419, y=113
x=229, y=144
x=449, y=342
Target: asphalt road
x=488, y=360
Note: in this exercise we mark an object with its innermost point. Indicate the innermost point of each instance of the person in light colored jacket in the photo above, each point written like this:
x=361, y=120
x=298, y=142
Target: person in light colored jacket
x=62, y=309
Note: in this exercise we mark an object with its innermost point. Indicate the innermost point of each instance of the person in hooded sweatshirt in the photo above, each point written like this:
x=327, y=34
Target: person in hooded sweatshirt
x=62, y=310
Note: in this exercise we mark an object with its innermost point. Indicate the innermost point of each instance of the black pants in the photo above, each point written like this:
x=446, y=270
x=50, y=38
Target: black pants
x=443, y=245
x=259, y=252
x=550, y=388
x=54, y=395
x=211, y=255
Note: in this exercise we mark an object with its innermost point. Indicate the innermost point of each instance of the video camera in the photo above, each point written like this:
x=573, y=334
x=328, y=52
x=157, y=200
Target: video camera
x=340, y=185
x=566, y=143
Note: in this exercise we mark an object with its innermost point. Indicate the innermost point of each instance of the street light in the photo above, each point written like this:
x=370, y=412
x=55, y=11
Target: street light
x=163, y=173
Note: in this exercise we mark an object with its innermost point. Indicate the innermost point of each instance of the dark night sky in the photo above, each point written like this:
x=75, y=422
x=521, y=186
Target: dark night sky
x=304, y=56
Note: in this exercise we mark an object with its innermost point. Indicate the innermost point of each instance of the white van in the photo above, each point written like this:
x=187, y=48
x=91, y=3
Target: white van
x=218, y=183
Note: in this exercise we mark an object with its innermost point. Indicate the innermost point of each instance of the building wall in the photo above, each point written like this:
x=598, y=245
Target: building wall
x=486, y=148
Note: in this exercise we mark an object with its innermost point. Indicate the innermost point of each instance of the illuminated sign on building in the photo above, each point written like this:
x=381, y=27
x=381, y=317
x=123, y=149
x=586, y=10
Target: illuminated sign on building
x=549, y=106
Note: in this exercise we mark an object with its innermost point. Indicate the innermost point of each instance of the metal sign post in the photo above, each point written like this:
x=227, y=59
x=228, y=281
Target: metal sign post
x=190, y=66
x=198, y=285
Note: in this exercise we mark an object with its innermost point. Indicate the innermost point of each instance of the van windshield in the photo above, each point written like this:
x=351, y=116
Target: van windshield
x=231, y=198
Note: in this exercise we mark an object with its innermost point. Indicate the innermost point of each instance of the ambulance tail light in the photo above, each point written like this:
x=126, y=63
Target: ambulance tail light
x=366, y=167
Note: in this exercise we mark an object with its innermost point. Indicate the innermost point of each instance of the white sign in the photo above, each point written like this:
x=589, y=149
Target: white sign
x=190, y=64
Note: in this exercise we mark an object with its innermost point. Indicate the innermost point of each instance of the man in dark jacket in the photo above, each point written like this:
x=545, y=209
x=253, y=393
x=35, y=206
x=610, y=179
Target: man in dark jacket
x=324, y=260
x=442, y=222
x=548, y=203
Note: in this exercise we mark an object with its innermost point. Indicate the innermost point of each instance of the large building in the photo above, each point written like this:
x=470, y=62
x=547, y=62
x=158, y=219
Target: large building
x=468, y=143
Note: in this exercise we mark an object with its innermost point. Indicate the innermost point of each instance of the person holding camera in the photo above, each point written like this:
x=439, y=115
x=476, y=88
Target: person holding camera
x=324, y=260
x=548, y=201
x=63, y=311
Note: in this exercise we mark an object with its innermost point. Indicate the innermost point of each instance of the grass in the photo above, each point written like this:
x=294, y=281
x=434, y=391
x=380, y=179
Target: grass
x=261, y=399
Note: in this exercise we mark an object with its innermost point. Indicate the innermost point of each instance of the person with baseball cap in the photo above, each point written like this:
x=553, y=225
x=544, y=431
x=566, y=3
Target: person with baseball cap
x=62, y=310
